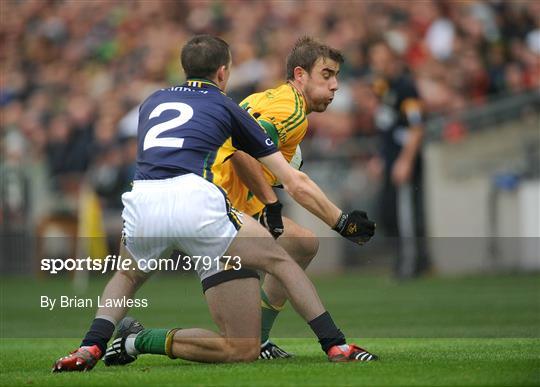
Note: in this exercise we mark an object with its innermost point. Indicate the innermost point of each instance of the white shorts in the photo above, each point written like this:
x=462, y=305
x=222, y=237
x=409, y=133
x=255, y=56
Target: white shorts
x=186, y=213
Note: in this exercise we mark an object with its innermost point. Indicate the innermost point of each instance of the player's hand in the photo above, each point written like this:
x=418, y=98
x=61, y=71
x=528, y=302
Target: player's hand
x=271, y=219
x=355, y=226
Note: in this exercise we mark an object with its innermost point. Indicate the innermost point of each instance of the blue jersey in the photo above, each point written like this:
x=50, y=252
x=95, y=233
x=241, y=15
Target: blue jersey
x=194, y=128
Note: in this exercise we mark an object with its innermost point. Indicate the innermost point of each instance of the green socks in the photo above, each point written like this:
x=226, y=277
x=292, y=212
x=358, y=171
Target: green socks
x=152, y=341
x=159, y=341
x=268, y=316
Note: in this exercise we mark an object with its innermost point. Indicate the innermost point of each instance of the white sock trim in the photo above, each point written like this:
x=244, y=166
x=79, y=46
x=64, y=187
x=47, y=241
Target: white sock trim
x=130, y=345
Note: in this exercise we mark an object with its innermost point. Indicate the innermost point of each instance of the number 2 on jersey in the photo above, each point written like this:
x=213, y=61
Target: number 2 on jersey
x=151, y=139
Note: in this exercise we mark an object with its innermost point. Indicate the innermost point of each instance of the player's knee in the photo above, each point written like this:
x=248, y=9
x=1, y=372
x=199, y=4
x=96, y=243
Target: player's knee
x=308, y=248
x=243, y=350
x=305, y=247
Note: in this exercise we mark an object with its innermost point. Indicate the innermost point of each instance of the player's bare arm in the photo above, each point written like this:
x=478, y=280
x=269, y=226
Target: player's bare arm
x=354, y=226
x=250, y=172
x=302, y=189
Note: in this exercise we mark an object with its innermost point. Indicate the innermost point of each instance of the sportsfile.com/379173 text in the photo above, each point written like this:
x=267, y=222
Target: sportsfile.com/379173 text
x=113, y=263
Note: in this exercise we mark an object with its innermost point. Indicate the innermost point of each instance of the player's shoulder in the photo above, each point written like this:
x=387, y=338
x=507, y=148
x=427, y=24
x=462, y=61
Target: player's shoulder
x=155, y=95
x=232, y=107
x=282, y=94
x=286, y=97
x=291, y=110
x=168, y=94
x=283, y=104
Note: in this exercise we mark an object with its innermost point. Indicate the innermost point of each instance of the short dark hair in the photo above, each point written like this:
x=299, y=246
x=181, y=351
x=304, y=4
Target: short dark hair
x=203, y=55
x=305, y=53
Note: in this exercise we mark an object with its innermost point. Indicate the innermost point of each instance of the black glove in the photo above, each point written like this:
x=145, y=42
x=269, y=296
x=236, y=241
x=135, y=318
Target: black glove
x=355, y=226
x=271, y=219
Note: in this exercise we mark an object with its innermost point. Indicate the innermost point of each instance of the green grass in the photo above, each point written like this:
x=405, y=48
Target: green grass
x=415, y=362
x=475, y=331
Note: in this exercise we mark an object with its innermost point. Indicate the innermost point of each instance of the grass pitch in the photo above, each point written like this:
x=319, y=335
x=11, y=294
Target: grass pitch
x=475, y=331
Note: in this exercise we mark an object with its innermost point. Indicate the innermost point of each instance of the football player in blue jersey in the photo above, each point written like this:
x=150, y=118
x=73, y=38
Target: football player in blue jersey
x=174, y=205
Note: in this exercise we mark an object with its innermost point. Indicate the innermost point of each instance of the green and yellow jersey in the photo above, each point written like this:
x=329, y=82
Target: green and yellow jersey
x=281, y=112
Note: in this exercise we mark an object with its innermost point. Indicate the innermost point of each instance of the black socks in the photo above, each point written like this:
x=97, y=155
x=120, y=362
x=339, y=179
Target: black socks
x=99, y=334
x=327, y=331
x=101, y=331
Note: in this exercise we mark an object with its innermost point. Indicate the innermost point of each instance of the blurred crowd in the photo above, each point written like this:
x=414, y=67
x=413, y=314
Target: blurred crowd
x=74, y=72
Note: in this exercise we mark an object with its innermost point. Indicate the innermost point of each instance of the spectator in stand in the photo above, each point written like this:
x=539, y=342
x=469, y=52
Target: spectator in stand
x=76, y=67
